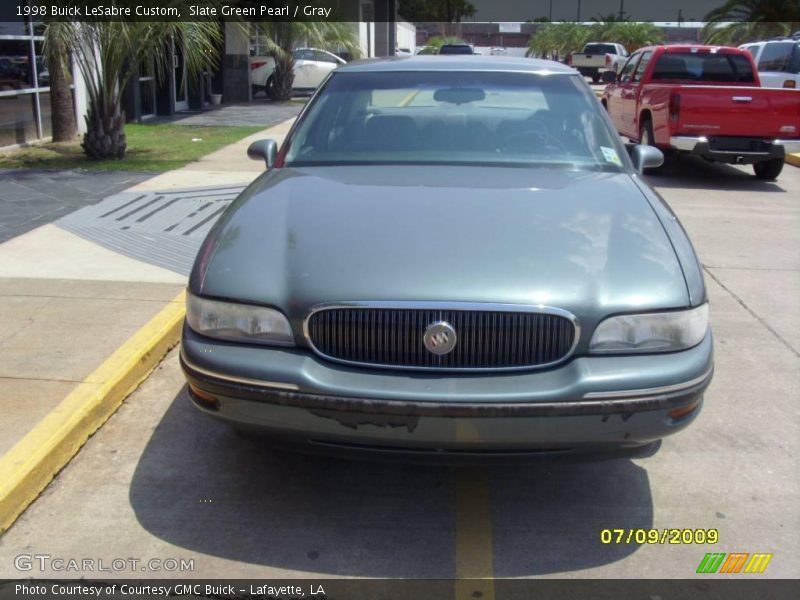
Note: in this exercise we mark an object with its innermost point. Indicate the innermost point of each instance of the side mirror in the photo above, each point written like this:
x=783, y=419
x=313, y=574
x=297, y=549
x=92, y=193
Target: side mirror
x=646, y=157
x=608, y=77
x=266, y=150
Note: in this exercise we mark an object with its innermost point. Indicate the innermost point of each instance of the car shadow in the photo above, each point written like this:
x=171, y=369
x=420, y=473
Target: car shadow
x=693, y=172
x=200, y=486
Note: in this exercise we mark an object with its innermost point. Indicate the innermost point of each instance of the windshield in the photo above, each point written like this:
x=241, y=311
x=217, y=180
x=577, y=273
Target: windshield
x=455, y=49
x=439, y=117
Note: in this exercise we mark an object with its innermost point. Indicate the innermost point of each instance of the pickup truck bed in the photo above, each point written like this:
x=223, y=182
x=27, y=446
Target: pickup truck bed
x=597, y=58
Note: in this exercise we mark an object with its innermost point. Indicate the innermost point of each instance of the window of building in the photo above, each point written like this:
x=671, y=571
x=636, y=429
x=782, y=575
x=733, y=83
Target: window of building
x=24, y=83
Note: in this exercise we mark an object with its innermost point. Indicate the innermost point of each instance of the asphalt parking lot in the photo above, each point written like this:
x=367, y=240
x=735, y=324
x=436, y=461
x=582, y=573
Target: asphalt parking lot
x=161, y=481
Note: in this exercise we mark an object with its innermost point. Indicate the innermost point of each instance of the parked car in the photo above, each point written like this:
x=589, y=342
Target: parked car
x=450, y=255
x=778, y=61
x=403, y=52
x=456, y=49
x=311, y=66
x=705, y=100
x=12, y=75
x=598, y=57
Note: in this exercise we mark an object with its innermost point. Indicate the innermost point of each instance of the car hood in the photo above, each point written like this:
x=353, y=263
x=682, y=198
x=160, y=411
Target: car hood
x=585, y=241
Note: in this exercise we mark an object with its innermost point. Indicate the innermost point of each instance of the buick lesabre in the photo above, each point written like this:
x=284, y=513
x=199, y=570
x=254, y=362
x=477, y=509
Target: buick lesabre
x=450, y=256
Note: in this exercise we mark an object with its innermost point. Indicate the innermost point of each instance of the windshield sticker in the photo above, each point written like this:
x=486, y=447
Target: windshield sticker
x=611, y=155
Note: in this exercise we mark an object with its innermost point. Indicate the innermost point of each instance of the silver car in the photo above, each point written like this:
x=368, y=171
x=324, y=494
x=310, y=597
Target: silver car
x=450, y=256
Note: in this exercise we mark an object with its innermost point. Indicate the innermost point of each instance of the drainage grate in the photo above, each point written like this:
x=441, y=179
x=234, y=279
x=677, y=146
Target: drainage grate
x=160, y=228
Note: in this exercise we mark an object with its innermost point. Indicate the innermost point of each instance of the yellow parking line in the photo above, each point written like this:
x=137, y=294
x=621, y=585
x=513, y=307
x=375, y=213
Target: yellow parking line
x=474, y=554
x=793, y=159
x=28, y=467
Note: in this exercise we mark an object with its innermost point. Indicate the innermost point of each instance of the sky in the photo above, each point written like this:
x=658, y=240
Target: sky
x=567, y=10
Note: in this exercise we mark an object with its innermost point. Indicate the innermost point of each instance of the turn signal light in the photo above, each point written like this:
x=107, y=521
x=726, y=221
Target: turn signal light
x=684, y=410
x=203, y=398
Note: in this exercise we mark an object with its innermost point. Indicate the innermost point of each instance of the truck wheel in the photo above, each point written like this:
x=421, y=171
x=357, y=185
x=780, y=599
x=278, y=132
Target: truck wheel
x=768, y=170
x=596, y=78
x=647, y=138
x=254, y=90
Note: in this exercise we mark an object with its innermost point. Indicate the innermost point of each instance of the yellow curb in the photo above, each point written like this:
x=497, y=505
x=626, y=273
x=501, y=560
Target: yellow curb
x=28, y=467
x=793, y=159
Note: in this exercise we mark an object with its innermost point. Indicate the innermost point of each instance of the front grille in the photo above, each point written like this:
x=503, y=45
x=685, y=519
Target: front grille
x=486, y=339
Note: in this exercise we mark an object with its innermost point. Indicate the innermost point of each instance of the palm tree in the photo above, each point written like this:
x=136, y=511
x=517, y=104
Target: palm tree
x=109, y=54
x=61, y=106
x=282, y=37
x=635, y=35
x=740, y=21
x=557, y=40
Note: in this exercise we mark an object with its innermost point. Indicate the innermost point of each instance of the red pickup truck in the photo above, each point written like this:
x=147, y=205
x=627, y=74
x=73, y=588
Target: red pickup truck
x=706, y=100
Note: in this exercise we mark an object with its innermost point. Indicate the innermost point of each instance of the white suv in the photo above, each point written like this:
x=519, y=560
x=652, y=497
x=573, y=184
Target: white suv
x=311, y=66
x=778, y=61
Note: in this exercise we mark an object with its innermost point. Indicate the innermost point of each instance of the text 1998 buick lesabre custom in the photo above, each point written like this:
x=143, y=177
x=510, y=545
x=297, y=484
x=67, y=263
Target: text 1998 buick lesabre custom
x=450, y=255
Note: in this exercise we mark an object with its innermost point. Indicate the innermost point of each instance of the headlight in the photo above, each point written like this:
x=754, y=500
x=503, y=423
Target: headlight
x=652, y=332
x=239, y=322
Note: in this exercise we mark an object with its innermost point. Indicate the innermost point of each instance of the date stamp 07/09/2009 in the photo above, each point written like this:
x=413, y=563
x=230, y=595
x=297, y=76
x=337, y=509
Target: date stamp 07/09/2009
x=659, y=536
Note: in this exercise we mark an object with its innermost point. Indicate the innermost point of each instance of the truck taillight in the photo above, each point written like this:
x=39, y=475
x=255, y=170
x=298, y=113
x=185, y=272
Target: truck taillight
x=608, y=59
x=281, y=158
x=569, y=59
x=256, y=65
x=674, y=106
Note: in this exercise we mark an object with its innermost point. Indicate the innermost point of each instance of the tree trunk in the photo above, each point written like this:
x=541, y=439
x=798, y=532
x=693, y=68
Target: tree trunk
x=105, y=132
x=283, y=80
x=61, y=106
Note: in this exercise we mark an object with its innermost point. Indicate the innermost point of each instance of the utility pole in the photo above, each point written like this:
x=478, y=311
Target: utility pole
x=551, y=10
x=579, y=12
x=621, y=9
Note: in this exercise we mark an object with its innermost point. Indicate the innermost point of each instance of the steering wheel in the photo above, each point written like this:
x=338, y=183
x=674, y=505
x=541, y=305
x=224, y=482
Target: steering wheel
x=536, y=141
x=534, y=138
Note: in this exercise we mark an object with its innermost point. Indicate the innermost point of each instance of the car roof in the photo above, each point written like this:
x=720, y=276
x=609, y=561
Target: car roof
x=457, y=62
x=699, y=48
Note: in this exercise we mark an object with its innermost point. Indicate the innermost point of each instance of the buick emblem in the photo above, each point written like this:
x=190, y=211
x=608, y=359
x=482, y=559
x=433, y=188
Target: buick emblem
x=439, y=338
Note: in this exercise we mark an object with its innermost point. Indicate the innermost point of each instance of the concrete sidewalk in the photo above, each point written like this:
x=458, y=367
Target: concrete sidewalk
x=68, y=304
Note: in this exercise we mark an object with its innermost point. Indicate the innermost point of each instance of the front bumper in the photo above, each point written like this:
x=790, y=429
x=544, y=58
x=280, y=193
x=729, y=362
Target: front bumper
x=587, y=403
x=705, y=147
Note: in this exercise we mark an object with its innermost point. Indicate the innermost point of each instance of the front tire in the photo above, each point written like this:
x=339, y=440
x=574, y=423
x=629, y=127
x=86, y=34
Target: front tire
x=768, y=170
x=270, y=88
